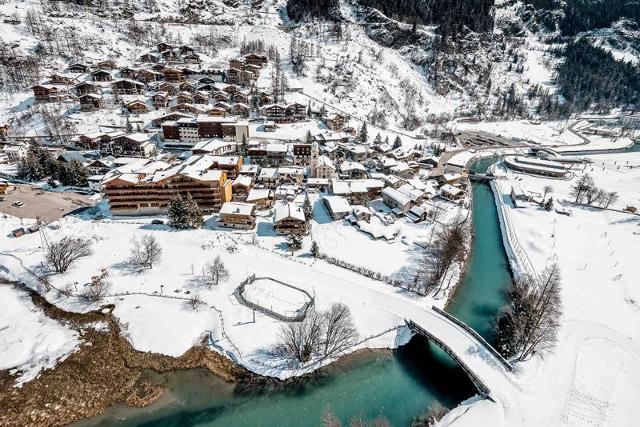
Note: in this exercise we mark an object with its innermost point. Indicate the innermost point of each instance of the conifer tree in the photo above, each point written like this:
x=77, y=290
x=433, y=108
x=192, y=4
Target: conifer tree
x=362, y=135
x=194, y=213
x=178, y=213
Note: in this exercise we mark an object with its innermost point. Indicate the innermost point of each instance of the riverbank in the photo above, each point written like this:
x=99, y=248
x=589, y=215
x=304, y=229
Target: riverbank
x=103, y=371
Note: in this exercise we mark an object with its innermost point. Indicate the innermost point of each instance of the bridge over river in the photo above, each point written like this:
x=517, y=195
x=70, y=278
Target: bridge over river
x=486, y=368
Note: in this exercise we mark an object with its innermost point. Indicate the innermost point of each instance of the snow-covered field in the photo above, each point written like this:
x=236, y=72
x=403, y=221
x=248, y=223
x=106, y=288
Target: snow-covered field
x=153, y=322
x=29, y=340
x=592, y=376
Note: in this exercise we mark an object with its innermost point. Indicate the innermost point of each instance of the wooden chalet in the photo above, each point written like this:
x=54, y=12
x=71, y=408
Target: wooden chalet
x=255, y=59
x=91, y=102
x=60, y=79
x=137, y=107
x=149, y=57
x=160, y=100
x=231, y=89
x=240, y=109
x=186, y=86
x=335, y=122
x=296, y=111
x=150, y=189
x=238, y=215
x=128, y=73
x=201, y=98
x=241, y=187
x=84, y=88
x=289, y=218
x=128, y=87
x=108, y=64
x=184, y=98
x=192, y=58
x=149, y=76
x=46, y=93
x=170, y=88
x=101, y=76
x=185, y=50
x=218, y=112
x=161, y=47
x=276, y=113
x=240, y=97
x=220, y=96
x=173, y=75
x=78, y=67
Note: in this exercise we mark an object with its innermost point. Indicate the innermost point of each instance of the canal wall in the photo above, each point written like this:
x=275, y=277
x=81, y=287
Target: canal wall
x=518, y=258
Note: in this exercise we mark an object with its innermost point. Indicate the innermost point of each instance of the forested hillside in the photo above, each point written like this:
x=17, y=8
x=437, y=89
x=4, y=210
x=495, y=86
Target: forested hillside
x=451, y=16
x=584, y=15
x=590, y=76
x=301, y=9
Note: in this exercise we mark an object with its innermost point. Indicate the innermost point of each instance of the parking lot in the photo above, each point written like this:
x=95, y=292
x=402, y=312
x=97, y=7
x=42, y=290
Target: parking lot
x=46, y=205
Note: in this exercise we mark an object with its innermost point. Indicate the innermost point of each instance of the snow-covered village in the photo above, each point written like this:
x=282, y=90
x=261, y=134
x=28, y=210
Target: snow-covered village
x=332, y=213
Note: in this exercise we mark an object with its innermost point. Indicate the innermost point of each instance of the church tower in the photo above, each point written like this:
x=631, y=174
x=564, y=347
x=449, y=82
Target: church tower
x=315, y=152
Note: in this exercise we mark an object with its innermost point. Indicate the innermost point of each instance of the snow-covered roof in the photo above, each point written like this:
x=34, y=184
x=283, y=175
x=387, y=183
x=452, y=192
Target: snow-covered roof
x=288, y=210
x=211, y=145
x=349, y=166
x=290, y=170
x=325, y=161
x=268, y=173
x=450, y=189
x=138, y=137
x=256, y=194
x=243, y=180
x=337, y=204
x=249, y=168
x=396, y=196
x=237, y=208
x=276, y=148
x=451, y=176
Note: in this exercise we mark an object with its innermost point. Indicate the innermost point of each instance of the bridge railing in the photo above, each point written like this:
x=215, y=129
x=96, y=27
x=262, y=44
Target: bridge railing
x=477, y=382
x=476, y=335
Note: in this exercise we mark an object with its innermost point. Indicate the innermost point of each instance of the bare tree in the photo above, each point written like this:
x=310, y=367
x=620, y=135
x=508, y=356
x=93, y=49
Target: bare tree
x=145, y=252
x=300, y=340
x=62, y=254
x=593, y=195
x=529, y=324
x=611, y=198
x=448, y=248
x=581, y=187
x=215, y=272
x=97, y=289
x=194, y=302
x=339, y=331
x=545, y=191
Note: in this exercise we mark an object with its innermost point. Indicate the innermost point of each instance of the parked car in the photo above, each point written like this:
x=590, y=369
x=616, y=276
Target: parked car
x=17, y=204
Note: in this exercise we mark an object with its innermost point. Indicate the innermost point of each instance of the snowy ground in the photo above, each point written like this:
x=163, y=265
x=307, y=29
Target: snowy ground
x=29, y=340
x=153, y=322
x=595, y=370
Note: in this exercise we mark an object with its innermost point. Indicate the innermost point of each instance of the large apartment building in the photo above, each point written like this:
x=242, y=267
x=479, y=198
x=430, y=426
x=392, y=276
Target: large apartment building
x=147, y=188
x=186, y=132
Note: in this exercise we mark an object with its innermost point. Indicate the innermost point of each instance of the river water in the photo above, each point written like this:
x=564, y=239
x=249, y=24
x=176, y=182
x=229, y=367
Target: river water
x=396, y=385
